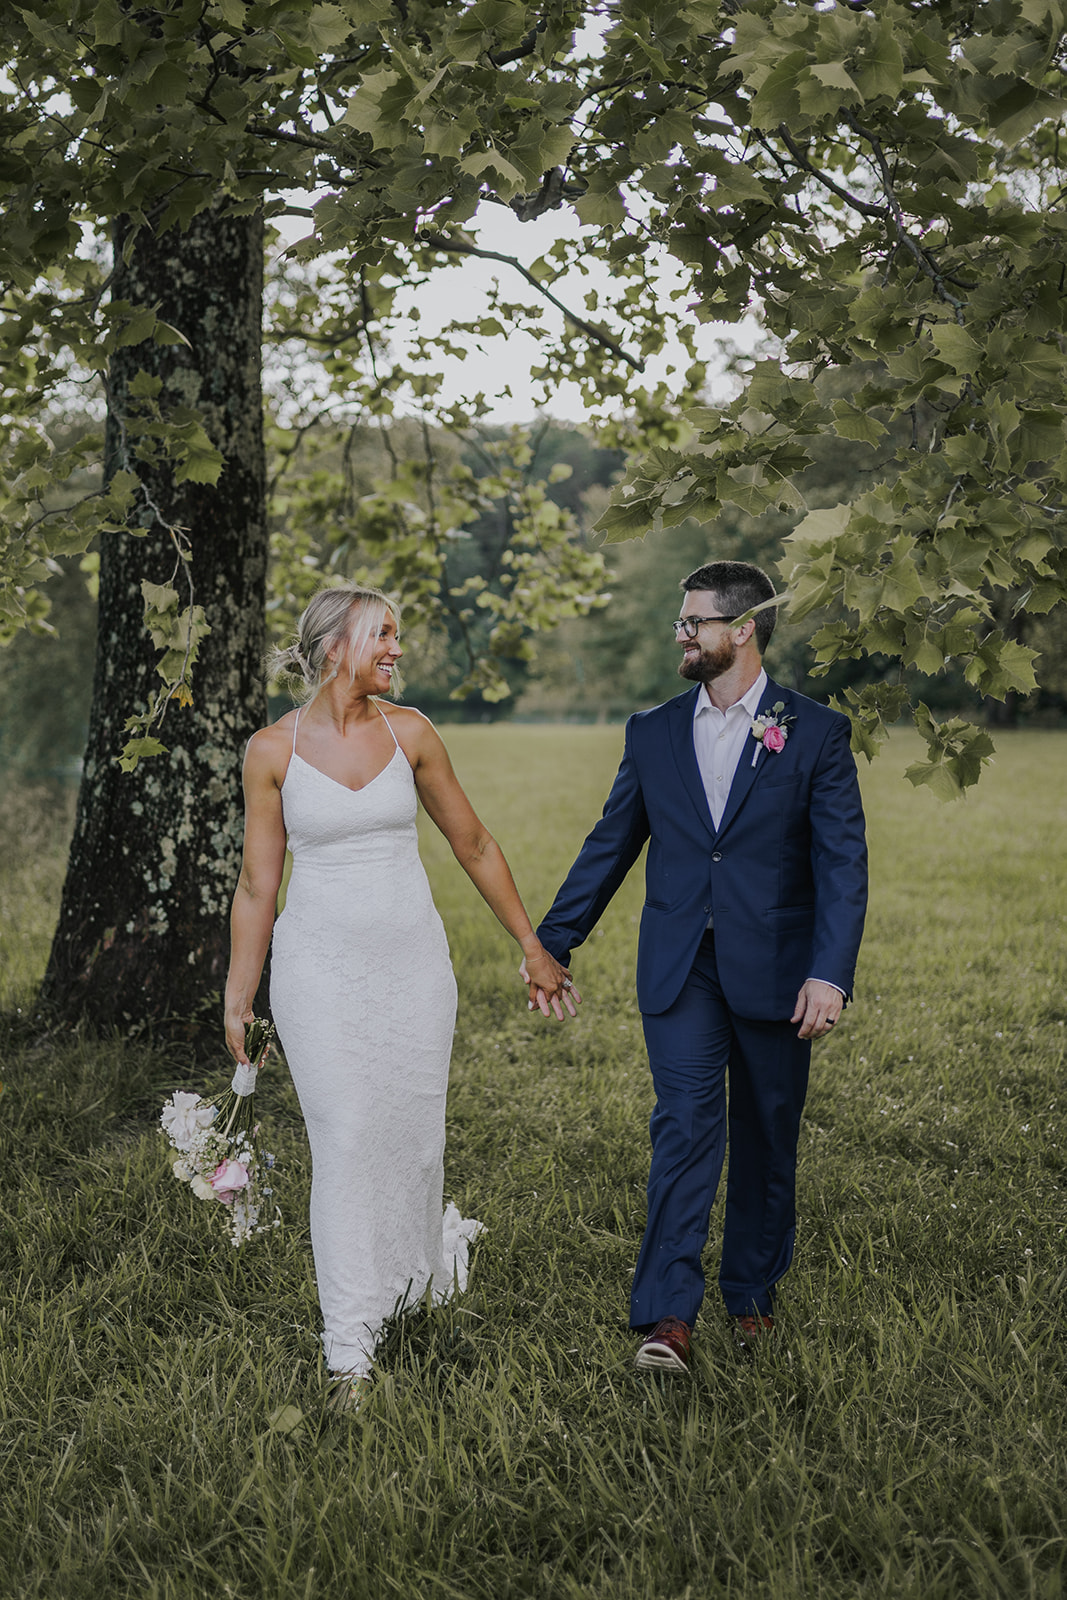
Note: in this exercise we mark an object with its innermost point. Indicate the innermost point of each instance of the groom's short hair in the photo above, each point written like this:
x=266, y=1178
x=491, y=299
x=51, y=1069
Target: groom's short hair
x=738, y=586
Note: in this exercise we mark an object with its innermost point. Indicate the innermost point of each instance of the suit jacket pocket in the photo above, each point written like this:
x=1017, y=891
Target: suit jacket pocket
x=787, y=918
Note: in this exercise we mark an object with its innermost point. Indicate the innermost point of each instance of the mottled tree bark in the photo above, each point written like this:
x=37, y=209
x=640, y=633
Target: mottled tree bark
x=143, y=926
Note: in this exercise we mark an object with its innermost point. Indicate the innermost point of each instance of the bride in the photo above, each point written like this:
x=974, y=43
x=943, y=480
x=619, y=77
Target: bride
x=362, y=990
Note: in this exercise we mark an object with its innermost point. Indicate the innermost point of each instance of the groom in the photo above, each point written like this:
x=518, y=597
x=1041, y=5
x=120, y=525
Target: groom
x=756, y=886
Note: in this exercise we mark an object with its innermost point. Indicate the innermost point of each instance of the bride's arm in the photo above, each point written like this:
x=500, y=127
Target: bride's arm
x=256, y=895
x=482, y=860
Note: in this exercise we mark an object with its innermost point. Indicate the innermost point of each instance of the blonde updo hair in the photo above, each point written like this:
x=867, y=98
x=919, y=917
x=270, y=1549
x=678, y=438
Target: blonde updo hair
x=346, y=614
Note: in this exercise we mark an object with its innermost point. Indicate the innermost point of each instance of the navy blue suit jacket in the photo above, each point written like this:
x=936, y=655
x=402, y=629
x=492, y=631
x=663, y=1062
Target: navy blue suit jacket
x=785, y=873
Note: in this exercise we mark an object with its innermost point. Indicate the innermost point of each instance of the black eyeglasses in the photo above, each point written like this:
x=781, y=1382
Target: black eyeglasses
x=689, y=625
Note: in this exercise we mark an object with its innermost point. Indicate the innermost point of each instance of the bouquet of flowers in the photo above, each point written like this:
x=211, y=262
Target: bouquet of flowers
x=219, y=1152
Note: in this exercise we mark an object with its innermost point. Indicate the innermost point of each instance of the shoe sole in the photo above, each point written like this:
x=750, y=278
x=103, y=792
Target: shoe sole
x=346, y=1397
x=659, y=1358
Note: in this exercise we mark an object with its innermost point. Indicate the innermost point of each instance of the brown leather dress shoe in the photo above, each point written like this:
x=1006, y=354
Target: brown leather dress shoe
x=666, y=1348
x=750, y=1332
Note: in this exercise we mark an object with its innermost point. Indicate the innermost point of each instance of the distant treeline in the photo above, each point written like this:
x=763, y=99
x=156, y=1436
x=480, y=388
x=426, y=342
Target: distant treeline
x=599, y=666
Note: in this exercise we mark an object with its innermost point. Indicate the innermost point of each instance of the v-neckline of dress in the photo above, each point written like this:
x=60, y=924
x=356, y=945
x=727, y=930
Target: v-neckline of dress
x=336, y=781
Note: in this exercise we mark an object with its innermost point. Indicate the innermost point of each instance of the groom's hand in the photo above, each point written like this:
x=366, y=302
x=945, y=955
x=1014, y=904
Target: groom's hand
x=818, y=1008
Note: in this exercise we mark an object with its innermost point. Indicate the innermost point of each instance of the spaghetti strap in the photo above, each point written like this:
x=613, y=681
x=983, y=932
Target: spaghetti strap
x=389, y=724
x=296, y=724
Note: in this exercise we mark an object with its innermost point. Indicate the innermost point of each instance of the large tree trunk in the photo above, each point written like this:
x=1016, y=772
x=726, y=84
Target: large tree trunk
x=143, y=925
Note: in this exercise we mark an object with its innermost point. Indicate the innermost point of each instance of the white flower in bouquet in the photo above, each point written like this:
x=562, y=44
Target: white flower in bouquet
x=184, y=1117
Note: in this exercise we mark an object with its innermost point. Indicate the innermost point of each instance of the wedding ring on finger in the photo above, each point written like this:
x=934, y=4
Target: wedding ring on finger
x=567, y=984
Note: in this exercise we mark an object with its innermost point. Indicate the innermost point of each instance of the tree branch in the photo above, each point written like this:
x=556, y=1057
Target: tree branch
x=551, y=195
x=525, y=47
x=923, y=259
x=864, y=207
x=437, y=241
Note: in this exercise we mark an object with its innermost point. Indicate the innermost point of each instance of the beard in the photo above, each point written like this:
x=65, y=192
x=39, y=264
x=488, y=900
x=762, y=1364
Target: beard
x=709, y=664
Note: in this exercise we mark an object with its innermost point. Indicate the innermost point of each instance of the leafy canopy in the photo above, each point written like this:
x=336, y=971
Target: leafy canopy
x=881, y=185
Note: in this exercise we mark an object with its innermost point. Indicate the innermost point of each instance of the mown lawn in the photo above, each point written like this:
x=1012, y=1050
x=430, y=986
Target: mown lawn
x=161, y=1395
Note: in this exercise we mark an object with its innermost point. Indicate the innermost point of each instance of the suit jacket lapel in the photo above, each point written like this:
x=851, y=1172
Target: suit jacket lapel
x=681, y=731
x=748, y=770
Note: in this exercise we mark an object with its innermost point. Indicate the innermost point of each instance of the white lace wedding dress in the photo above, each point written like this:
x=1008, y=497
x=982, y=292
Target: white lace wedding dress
x=364, y=999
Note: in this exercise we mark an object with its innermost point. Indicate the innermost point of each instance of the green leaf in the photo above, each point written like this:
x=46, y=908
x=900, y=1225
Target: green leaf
x=938, y=778
x=601, y=206
x=836, y=75
x=624, y=519
x=164, y=333
x=819, y=526
x=879, y=71
x=903, y=584
x=160, y=596
x=956, y=347
x=233, y=12
x=1040, y=436
x=300, y=54
x=136, y=329
x=107, y=23
x=327, y=26
x=169, y=84
x=145, y=386
x=135, y=750
x=199, y=464
x=492, y=161
x=852, y=424
x=776, y=100
x=966, y=451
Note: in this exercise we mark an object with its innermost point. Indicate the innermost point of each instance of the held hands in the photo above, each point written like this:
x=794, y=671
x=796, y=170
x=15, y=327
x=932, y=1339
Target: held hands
x=549, y=984
x=817, y=1009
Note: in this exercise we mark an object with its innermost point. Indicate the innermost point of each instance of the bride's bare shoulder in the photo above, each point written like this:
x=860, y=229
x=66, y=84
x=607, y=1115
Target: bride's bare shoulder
x=269, y=749
x=414, y=730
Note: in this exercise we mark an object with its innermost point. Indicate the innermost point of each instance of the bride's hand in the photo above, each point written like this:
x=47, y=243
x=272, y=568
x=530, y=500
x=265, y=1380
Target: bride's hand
x=549, y=984
x=236, y=1018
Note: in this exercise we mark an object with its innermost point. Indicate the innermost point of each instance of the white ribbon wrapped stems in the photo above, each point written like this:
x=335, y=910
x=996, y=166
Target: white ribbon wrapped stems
x=244, y=1080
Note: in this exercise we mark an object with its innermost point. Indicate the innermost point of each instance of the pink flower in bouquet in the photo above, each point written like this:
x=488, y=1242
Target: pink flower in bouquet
x=228, y=1179
x=774, y=738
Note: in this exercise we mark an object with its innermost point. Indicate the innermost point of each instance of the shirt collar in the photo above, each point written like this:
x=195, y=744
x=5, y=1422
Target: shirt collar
x=750, y=699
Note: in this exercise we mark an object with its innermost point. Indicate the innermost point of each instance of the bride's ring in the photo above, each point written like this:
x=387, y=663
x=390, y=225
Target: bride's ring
x=567, y=984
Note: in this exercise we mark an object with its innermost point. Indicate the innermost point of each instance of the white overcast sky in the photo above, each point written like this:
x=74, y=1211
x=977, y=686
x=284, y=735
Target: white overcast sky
x=462, y=292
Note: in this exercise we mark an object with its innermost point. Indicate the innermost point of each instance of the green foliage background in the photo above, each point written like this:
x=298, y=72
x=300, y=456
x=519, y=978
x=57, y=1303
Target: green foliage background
x=881, y=187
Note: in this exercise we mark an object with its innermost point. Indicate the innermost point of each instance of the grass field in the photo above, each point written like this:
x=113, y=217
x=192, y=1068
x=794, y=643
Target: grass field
x=161, y=1395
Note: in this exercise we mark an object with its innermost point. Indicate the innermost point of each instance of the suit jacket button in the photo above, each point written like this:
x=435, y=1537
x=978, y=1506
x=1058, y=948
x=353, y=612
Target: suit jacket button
x=717, y=856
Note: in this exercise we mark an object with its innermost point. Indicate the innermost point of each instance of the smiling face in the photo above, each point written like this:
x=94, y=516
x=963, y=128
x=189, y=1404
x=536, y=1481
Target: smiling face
x=713, y=651
x=380, y=656
x=367, y=648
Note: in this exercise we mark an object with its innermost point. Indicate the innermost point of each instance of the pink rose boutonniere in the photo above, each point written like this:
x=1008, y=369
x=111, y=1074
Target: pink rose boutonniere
x=771, y=729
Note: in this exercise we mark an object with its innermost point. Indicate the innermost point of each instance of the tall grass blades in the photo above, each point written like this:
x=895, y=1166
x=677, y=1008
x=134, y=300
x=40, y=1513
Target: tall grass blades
x=162, y=1427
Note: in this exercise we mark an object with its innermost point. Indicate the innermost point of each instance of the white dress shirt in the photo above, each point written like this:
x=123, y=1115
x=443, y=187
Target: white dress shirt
x=721, y=740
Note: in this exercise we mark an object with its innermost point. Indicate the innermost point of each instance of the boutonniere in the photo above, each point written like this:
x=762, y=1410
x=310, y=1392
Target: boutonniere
x=771, y=729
